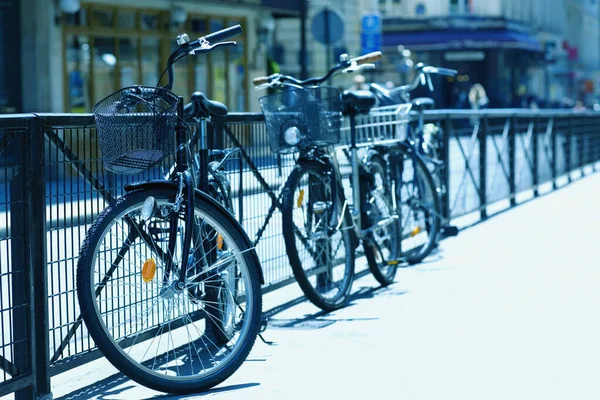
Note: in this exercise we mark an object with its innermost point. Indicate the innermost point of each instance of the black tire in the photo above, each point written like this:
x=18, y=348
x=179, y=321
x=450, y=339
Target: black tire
x=157, y=307
x=322, y=260
x=382, y=245
x=421, y=209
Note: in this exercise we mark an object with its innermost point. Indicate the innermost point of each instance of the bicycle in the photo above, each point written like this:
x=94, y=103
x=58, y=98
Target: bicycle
x=321, y=231
x=423, y=168
x=168, y=282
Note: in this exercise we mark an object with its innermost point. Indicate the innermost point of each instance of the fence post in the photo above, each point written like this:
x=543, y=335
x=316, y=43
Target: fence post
x=553, y=161
x=535, y=169
x=512, y=144
x=20, y=266
x=446, y=168
x=37, y=248
x=567, y=148
x=483, y=166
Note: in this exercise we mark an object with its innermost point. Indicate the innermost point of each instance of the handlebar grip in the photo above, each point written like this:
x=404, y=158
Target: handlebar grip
x=368, y=58
x=447, y=71
x=259, y=80
x=224, y=34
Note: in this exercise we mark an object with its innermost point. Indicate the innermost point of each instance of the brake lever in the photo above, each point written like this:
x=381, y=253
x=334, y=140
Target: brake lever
x=354, y=68
x=205, y=47
x=429, y=83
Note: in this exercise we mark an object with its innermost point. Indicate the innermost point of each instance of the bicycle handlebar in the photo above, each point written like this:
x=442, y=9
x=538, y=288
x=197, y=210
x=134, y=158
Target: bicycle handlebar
x=201, y=45
x=363, y=60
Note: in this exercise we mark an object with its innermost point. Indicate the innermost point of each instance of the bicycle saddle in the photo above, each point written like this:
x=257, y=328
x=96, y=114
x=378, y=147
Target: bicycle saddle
x=202, y=106
x=422, y=103
x=357, y=101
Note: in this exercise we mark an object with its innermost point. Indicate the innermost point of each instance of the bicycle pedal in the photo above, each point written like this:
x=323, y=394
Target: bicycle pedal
x=264, y=322
x=449, y=231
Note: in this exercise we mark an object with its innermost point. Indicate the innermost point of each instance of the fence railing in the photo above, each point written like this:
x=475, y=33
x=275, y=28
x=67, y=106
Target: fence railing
x=53, y=185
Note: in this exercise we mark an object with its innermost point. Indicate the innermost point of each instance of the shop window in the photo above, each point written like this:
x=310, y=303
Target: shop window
x=78, y=67
x=150, y=61
x=149, y=22
x=126, y=19
x=105, y=62
x=129, y=68
x=103, y=18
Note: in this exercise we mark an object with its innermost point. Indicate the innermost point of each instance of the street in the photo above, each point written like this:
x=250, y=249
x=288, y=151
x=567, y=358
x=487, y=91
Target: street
x=506, y=310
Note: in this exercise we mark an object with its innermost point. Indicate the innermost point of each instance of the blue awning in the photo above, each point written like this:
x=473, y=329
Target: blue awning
x=457, y=39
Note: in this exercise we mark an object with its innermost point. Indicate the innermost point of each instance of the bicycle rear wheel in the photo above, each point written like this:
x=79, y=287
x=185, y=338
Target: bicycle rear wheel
x=317, y=234
x=159, y=333
x=421, y=208
x=382, y=245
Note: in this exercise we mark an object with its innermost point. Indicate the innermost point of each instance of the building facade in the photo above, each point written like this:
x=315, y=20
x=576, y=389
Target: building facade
x=72, y=53
x=518, y=50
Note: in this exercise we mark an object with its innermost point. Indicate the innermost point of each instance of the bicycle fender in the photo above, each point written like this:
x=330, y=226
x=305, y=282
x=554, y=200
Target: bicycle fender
x=173, y=185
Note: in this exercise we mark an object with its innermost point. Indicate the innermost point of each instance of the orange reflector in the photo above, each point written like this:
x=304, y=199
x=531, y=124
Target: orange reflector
x=415, y=231
x=219, y=241
x=300, y=198
x=149, y=270
x=392, y=262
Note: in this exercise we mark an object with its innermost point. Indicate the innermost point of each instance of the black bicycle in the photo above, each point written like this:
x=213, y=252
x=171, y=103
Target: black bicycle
x=320, y=228
x=421, y=180
x=167, y=280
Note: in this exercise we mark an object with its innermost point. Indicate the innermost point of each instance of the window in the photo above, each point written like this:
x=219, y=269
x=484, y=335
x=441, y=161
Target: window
x=460, y=6
x=122, y=46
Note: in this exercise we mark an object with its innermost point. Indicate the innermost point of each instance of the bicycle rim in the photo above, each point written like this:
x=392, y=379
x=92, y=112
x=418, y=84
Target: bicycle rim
x=382, y=245
x=173, y=339
x=420, y=210
x=318, y=237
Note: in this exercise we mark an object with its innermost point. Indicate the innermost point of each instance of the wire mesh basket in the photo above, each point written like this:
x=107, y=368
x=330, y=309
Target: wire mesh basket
x=135, y=127
x=302, y=118
x=380, y=124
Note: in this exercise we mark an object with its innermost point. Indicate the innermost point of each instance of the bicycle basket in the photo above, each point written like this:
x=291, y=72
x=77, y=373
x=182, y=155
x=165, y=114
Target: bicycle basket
x=135, y=127
x=302, y=118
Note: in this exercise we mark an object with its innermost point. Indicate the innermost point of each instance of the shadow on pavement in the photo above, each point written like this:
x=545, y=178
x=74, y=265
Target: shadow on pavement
x=317, y=320
x=110, y=388
x=208, y=392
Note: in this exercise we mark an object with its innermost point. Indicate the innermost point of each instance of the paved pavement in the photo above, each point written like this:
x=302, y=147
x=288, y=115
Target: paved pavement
x=506, y=310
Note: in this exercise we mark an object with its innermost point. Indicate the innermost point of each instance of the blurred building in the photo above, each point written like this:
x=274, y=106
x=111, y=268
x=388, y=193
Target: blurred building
x=10, y=70
x=518, y=50
x=65, y=55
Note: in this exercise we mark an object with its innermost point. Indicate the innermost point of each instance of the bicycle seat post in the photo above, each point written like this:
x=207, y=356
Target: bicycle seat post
x=355, y=175
x=203, y=154
x=181, y=132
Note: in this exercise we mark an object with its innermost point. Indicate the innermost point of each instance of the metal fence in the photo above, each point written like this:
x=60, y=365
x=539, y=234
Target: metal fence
x=53, y=185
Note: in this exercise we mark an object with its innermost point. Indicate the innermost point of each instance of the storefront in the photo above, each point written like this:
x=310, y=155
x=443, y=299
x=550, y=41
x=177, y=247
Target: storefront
x=10, y=72
x=496, y=53
x=109, y=47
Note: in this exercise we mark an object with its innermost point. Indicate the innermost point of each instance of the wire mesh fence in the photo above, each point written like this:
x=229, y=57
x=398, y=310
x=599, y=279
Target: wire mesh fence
x=489, y=158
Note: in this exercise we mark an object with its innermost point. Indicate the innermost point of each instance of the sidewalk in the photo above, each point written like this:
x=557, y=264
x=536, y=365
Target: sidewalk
x=506, y=310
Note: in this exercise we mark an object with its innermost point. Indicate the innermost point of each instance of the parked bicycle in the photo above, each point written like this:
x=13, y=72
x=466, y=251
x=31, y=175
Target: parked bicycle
x=320, y=228
x=167, y=280
x=422, y=183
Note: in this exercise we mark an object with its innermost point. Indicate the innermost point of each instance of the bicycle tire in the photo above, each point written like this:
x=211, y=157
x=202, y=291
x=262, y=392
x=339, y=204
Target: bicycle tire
x=101, y=305
x=381, y=247
x=326, y=284
x=425, y=201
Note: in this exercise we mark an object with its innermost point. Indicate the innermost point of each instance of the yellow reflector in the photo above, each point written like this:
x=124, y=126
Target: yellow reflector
x=415, y=231
x=300, y=198
x=149, y=270
x=392, y=262
x=219, y=242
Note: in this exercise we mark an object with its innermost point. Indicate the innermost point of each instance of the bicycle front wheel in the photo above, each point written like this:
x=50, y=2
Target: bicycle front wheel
x=317, y=233
x=382, y=242
x=170, y=336
x=421, y=208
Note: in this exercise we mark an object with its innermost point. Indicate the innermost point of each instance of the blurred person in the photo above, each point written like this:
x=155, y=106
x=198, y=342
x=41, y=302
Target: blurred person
x=359, y=83
x=478, y=97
